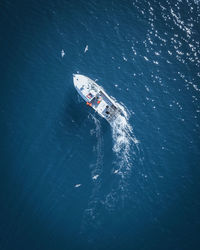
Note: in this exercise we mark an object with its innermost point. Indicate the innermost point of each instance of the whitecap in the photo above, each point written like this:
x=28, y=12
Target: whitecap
x=62, y=53
x=95, y=177
x=77, y=185
x=125, y=59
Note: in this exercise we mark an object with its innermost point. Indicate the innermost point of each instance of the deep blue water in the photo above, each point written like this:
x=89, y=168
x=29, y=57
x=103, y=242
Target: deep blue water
x=70, y=180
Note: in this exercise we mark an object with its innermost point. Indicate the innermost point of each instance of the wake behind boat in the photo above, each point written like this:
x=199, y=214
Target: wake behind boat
x=96, y=97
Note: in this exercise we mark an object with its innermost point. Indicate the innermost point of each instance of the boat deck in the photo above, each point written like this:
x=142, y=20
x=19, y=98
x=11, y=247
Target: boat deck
x=105, y=107
x=96, y=97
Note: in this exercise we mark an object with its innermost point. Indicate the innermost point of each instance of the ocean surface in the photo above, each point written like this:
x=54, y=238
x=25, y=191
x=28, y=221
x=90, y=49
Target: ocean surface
x=68, y=178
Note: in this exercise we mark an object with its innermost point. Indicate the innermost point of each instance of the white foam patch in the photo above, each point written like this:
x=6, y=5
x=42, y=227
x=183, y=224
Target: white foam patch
x=95, y=177
x=121, y=134
x=62, y=53
x=125, y=59
x=77, y=185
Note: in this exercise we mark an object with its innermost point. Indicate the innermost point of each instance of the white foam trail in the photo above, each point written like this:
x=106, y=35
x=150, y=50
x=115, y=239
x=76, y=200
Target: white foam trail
x=123, y=139
x=121, y=132
x=124, y=143
x=125, y=147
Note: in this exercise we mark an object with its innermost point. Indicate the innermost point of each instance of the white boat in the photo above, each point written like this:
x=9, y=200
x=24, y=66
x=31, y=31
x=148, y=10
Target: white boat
x=96, y=97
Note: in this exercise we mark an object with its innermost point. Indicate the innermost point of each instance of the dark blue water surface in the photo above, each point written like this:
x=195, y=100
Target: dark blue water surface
x=69, y=179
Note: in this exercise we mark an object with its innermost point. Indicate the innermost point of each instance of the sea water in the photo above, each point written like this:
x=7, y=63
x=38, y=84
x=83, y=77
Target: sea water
x=68, y=178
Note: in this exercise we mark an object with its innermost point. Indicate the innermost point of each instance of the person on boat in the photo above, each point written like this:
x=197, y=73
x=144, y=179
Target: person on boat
x=99, y=99
x=89, y=96
x=107, y=110
x=89, y=104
